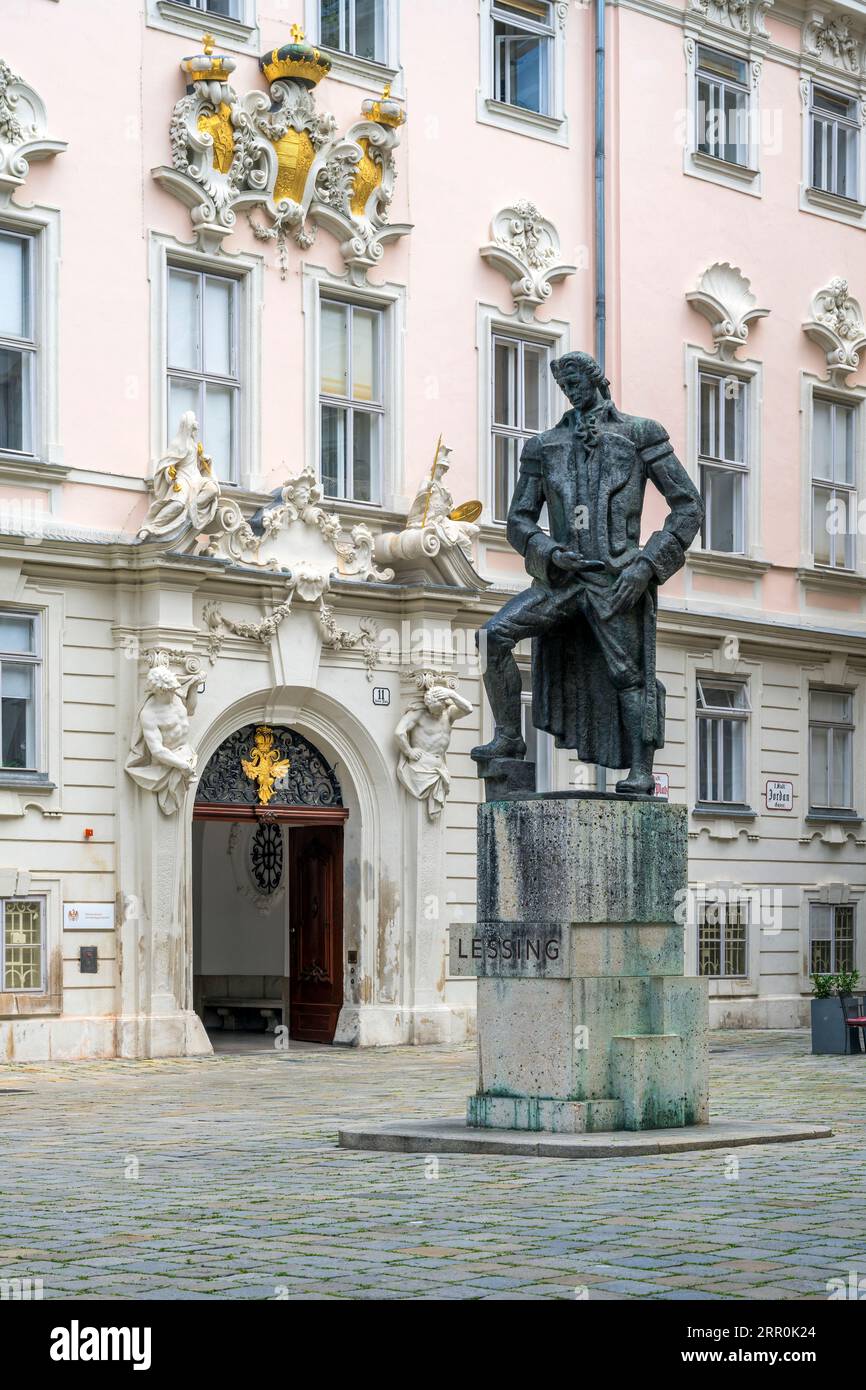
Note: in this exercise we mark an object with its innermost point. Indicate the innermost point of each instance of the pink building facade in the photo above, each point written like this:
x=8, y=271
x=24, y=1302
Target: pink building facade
x=345, y=235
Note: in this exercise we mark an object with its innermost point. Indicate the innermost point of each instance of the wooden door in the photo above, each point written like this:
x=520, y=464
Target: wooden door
x=315, y=932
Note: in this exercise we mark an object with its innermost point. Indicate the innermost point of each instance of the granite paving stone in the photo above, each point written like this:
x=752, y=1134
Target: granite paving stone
x=220, y=1178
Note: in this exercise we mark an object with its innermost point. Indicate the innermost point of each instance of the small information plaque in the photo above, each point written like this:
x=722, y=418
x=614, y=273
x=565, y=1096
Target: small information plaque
x=779, y=796
x=662, y=788
x=88, y=916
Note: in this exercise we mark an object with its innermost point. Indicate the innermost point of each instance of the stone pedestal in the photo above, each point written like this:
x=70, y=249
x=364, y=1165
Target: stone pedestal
x=585, y=1021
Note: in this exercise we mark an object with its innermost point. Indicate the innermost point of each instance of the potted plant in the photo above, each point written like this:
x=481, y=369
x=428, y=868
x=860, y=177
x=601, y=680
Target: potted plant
x=830, y=1031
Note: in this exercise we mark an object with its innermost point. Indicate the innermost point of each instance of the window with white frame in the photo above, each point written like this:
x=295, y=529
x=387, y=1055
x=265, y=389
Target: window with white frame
x=831, y=938
x=723, y=937
x=203, y=357
x=20, y=668
x=723, y=722
x=523, y=54
x=521, y=408
x=228, y=9
x=18, y=355
x=359, y=27
x=22, y=944
x=831, y=749
x=351, y=400
x=722, y=106
x=834, y=486
x=723, y=460
x=835, y=142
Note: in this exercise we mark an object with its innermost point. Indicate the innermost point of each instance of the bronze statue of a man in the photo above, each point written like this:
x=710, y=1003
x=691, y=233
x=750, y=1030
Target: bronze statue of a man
x=592, y=607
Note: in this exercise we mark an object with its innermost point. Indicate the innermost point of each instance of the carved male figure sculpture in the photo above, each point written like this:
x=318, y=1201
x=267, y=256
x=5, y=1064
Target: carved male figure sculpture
x=592, y=606
x=161, y=759
x=423, y=736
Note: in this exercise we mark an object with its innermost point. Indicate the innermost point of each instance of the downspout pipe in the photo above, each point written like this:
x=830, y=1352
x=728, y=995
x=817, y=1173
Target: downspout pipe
x=600, y=226
x=600, y=218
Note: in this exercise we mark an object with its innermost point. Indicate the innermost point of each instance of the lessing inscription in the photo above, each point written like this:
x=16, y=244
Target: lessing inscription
x=536, y=950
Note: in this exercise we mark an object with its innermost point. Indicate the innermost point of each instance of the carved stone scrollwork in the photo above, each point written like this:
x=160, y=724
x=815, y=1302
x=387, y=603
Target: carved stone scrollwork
x=740, y=16
x=276, y=153
x=724, y=297
x=526, y=250
x=829, y=38
x=836, y=324
x=23, y=125
x=307, y=778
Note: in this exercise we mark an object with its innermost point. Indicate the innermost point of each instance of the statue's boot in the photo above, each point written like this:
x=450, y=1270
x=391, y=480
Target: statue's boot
x=640, y=778
x=505, y=743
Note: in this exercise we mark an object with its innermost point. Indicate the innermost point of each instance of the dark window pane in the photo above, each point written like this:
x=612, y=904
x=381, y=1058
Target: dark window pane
x=365, y=434
x=368, y=15
x=15, y=400
x=329, y=24
x=333, y=450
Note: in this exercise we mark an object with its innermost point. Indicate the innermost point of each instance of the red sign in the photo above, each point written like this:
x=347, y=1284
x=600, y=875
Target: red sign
x=662, y=785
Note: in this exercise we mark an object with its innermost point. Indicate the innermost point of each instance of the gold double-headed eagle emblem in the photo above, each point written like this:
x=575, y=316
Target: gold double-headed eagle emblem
x=264, y=764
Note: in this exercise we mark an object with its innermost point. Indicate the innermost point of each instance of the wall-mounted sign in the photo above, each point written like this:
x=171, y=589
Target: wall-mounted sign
x=88, y=960
x=381, y=695
x=88, y=916
x=662, y=785
x=779, y=796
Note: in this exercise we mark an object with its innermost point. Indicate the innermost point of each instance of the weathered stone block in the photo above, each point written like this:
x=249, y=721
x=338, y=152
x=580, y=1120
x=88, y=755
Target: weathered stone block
x=627, y=950
x=648, y=1075
x=580, y=860
x=542, y=1113
x=525, y=1045
x=510, y=950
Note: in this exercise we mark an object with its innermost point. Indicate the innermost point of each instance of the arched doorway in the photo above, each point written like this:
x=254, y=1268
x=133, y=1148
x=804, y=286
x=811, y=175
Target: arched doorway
x=268, y=887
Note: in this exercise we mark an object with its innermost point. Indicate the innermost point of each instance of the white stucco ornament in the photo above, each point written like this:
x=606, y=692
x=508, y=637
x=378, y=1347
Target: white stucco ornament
x=724, y=298
x=186, y=495
x=836, y=324
x=829, y=38
x=275, y=152
x=161, y=759
x=423, y=737
x=741, y=16
x=525, y=248
x=23, y=126
x=433, y=522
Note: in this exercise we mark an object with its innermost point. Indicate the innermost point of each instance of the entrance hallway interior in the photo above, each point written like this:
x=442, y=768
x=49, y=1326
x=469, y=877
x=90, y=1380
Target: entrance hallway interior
x=267, y=927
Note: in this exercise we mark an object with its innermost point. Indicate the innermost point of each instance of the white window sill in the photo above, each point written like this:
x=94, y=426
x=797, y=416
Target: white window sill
x=362, y=72
x=519, y=120
x=176, y=18
x=824, y=204
x=739, y=177
x=820, y=576
x=30, y=469
x=727, y=564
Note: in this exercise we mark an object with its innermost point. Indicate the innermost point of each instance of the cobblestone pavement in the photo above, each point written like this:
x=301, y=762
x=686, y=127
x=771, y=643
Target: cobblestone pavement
x=220, y=1178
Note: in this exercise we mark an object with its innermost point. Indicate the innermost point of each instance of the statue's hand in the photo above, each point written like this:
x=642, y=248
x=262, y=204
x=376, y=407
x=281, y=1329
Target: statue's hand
x=566, y=559
x=630, y=585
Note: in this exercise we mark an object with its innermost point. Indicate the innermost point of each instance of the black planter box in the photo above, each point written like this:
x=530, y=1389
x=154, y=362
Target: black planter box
x=830, y=1032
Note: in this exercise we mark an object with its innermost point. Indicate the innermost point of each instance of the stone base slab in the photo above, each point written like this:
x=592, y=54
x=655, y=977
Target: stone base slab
x=544, y=1112
x=453, y=1136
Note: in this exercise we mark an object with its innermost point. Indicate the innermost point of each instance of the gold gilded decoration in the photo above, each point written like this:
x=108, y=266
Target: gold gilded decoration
x=208, y=42
x=297, y=33
x=205, y=463
x=295, y=155
x=304, y=63
x=432, y=476
x=385, y=111
x=172, y=473
x=467, y=511
x=219, y=127
x=264, y=765
x=368, y=178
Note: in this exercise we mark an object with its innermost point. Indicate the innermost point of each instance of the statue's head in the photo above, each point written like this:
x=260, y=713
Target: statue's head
x=581, y=378
x=161, y=682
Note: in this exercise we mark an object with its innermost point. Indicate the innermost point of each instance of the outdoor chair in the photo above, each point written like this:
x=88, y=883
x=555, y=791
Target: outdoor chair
x=854, y=1009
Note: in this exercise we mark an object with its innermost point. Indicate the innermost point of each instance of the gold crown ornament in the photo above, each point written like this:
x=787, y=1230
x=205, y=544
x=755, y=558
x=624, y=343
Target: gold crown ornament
x=385, y=111
x=210, y=67
x=298, y=61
